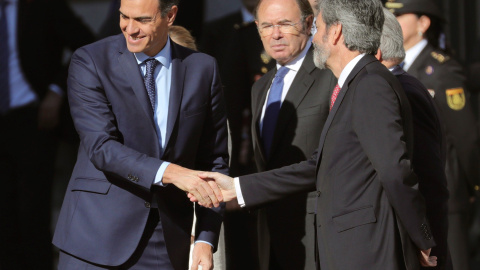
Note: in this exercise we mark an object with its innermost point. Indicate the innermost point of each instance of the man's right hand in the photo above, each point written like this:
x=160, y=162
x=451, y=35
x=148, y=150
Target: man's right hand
x=224, y=182
x=189, y=181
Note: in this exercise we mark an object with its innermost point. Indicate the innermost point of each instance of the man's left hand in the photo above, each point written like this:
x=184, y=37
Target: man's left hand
x=202, y=255
x=426, y=260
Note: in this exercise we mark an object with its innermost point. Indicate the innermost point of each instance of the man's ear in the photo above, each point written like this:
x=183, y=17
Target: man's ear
x=171, y=15
x=337, y=32
x=309, y=24
x=378, y=55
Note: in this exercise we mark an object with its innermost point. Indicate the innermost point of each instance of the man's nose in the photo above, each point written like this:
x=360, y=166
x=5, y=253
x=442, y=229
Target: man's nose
x=131, y=27
x=276, y=34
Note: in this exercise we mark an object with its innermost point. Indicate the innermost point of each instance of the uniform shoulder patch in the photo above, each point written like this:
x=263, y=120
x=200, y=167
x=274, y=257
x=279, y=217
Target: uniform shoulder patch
x=455, y=98
x=440, y=57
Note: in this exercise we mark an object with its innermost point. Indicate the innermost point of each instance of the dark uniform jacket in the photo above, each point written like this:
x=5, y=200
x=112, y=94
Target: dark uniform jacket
x=444, y=78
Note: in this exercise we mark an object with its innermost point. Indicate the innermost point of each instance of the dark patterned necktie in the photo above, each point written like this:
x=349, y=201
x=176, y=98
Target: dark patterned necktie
x=335, y=93
x=4, y=57
x=272, y=109
x=150, y=80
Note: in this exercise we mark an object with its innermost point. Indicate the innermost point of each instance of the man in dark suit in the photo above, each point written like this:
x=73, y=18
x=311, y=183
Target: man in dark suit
x=370, y=214
x=443, y=76
x=34, y=35
x=125, y=205
x=429, y=148
x=286, y=232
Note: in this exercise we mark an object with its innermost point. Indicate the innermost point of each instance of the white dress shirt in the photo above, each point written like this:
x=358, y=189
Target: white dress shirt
x=412, y=53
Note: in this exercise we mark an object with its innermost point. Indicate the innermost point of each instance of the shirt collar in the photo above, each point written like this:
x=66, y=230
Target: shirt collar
x=164, y=56
x=296, y=63
x=412, y=53
x=348, y=68
x=246, y=15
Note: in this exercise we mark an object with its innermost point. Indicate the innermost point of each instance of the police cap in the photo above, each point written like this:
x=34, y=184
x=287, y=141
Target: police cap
x=427, y=7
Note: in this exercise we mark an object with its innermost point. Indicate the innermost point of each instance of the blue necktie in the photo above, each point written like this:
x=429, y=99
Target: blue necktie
x=150, y=80
x=4, y=57
x=272, y=109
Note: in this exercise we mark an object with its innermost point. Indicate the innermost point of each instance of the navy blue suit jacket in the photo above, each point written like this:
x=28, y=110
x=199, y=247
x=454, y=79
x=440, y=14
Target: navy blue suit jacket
x=104, y=212
x=428, y=160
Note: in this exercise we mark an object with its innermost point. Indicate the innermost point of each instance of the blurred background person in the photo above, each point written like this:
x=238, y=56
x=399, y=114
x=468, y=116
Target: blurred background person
x=234, y=41
x=33, y=37
x=421, y=22
x=429, y=148
x=286, y=126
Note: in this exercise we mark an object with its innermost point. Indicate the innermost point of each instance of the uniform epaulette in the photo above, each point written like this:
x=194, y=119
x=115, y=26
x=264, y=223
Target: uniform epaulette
x=440, y=57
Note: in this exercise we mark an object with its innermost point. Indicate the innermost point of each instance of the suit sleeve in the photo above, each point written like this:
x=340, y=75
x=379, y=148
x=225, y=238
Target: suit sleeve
x=261, y=188
x=378, y=123
x=96, y=126
x=212, y=156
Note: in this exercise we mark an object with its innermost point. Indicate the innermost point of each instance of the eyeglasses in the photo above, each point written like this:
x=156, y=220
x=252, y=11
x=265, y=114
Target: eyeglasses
x=285, y=28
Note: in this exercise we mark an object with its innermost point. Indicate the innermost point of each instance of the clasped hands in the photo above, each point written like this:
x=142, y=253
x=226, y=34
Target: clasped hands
x=209, y=189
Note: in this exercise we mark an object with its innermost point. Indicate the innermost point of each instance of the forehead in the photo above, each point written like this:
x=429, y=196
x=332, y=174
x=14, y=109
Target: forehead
x=278, y=10
x=139, y=7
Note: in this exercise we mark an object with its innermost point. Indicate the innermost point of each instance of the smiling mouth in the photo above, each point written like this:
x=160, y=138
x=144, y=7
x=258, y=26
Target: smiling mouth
x=134, y=39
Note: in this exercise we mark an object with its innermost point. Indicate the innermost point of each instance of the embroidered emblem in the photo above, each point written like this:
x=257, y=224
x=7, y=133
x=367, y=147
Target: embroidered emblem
x=455, y=98
x=439, y=57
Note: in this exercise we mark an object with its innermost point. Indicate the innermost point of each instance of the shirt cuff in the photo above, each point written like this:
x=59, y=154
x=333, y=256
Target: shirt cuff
x=159, y=177
x=56, y=89
x=200, y=241
x=238, y=190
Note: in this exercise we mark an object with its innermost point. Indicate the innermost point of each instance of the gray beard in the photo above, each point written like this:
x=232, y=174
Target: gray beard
x=320, y=56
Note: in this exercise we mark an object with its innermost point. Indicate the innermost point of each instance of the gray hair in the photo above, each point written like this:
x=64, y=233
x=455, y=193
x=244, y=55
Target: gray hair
x=391, y=43
x=166, y=5
x=304, y=6
x=361, y=20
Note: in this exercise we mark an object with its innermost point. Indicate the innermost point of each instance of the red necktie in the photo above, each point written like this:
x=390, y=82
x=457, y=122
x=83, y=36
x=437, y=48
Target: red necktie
x=336, y=90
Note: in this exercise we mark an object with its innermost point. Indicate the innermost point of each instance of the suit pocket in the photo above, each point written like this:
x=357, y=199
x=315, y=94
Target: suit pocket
x=195, y=111
x=309, y=111
x=100, y=186
x=362, y=216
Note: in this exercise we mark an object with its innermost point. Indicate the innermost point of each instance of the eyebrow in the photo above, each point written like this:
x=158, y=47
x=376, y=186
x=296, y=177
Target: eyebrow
x=137, y=18
x=279, y=22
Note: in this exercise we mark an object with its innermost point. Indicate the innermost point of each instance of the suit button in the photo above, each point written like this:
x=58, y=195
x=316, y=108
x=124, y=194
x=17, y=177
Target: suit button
x=318, y=193
x=147, y=204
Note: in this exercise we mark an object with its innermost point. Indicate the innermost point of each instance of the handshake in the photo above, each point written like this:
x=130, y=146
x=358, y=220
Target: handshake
x=209, y=189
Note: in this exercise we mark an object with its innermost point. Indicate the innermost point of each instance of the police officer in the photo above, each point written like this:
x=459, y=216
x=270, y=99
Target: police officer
x=421, y=22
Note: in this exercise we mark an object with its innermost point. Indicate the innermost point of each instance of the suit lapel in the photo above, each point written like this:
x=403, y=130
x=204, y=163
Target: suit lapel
x=131, y=71
x=260, y=97
x=359, y=66
x=176, y=91
x=300, y=86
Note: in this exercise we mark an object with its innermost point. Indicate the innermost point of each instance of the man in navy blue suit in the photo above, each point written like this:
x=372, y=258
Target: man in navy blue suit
x=146, y=109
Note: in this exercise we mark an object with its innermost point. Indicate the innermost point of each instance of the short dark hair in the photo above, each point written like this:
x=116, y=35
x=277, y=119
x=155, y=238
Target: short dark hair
x=304, y=6
x=166, y=5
